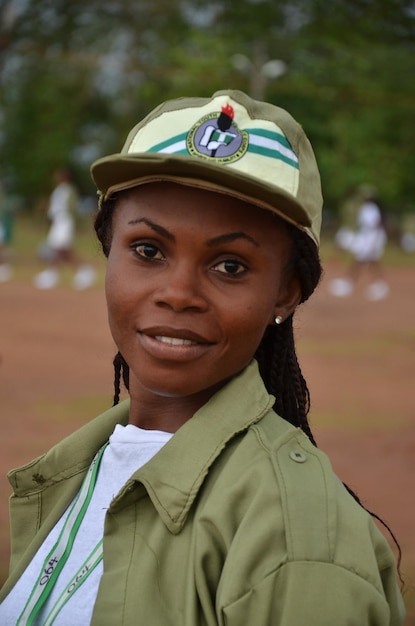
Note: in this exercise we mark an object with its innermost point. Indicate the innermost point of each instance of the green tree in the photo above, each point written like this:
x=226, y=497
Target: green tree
x=78, y=75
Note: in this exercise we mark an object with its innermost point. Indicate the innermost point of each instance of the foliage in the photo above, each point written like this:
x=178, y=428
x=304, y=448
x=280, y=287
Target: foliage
x=76, y=76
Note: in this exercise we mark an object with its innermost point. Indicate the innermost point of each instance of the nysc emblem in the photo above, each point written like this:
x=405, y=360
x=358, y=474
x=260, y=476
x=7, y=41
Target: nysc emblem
x=217, y=137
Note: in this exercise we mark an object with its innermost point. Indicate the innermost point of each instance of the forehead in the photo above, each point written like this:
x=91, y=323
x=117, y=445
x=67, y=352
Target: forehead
x=206, y=208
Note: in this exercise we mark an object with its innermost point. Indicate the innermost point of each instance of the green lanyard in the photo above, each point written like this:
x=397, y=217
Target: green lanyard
x=60, y=552
x=81, y=575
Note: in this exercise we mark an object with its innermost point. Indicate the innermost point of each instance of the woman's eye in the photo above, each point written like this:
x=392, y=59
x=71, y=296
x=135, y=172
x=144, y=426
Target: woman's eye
x=230, y=267
x=148, y=251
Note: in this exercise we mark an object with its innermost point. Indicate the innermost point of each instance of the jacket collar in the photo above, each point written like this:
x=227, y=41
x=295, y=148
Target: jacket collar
x=171, y=485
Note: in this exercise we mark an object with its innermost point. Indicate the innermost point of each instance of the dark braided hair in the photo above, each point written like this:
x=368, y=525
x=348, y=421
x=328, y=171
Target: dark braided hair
x=103, y=230
x=276, y=354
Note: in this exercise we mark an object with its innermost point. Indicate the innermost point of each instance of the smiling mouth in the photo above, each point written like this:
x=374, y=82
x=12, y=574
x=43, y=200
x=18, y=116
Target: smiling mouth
x=176, y=345
x=175, y=341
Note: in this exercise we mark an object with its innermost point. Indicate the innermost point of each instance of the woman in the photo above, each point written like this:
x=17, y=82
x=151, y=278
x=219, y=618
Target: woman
x=202, y=499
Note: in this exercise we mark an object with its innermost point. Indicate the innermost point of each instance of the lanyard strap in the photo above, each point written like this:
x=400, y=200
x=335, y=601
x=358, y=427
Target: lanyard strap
x=60, y=552
x=80, y=577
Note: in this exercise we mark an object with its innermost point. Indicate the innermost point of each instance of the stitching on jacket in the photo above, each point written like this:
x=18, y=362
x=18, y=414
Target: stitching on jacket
x=312, y=562
x=39, y=512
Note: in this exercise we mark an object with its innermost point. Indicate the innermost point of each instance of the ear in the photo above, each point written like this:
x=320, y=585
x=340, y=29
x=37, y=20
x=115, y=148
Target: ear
x=289, y=297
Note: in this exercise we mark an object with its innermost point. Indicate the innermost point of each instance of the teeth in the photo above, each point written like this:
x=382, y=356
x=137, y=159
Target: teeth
x=174, y=341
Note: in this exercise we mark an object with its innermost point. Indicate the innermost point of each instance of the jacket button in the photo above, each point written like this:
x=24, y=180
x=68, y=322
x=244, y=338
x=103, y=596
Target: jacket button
x=298, y=457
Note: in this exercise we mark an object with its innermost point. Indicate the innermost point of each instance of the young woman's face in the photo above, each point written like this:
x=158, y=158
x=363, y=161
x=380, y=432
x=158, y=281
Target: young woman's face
x=193, y=279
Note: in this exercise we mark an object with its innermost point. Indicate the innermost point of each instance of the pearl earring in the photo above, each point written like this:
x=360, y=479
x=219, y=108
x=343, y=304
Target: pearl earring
x=278, y=319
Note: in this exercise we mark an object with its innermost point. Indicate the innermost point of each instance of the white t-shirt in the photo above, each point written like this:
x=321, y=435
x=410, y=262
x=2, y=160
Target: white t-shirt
x=369, y=242
x=129, y=449
x=62, y=231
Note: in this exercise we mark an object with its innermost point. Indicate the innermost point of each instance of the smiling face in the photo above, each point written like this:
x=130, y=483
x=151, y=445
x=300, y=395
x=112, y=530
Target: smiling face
x=193, y=280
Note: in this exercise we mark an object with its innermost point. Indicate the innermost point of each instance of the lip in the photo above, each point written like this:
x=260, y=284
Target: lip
x=177, y=344
x=175, y=333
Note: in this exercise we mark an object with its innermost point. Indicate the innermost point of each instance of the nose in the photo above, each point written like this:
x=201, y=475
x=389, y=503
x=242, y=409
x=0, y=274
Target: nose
x=181, y=289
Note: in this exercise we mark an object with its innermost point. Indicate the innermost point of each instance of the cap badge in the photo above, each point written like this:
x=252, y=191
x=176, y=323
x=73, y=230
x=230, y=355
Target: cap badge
x=216, y=136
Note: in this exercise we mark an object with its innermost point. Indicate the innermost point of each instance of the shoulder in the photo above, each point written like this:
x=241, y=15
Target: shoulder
x=321, y=520
x=274, y=494
x=69, y=457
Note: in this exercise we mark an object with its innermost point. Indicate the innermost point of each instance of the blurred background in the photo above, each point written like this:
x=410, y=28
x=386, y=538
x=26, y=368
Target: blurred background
x=76, y=76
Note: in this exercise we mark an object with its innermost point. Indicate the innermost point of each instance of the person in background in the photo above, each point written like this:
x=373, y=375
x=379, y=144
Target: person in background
x=59, y=251
x=202, y=498
x=367, y=244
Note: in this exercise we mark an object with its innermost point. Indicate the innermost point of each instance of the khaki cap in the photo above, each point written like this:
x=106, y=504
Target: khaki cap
x=229, y=143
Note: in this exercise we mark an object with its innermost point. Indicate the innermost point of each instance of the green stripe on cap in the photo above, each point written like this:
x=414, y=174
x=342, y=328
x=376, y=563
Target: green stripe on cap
x=272, y=154
x=272, y=145
x=169, y=146
x=269, y=134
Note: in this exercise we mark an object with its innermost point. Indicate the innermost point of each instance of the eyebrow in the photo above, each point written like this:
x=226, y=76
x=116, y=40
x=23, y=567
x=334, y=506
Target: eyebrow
x=228, y=237
x=156, y=227
x=214, y=241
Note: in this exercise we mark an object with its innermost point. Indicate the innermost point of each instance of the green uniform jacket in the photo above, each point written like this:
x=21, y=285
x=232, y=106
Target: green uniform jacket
x=238, y=520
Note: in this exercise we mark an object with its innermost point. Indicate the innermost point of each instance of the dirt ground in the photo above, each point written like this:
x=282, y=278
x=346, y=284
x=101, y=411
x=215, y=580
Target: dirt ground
x=357, y=356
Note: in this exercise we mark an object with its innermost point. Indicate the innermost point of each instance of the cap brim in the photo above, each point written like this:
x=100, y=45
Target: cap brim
x=116, y=172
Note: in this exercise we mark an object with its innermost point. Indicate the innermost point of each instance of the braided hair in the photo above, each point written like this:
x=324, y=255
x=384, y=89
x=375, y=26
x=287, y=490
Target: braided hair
x=103, y=230
x=276, y=353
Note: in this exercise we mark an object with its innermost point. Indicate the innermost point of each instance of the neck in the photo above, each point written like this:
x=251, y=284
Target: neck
x=152, y=411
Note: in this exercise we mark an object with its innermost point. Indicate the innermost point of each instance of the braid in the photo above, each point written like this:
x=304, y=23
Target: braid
x=117, y=378
x=121, y=370
x=276, y=354
x=103, y=230
x=388, y=528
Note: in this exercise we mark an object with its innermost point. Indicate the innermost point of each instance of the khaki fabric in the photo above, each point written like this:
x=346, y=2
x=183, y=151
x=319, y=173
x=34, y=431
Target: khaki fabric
x=239, y=519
